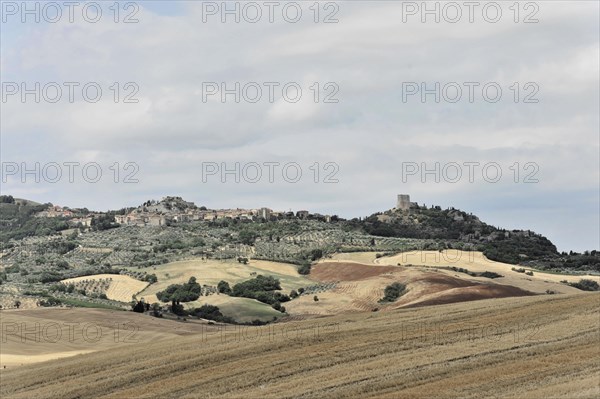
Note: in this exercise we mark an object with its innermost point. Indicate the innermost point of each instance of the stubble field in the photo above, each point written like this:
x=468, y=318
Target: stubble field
x=528, y=347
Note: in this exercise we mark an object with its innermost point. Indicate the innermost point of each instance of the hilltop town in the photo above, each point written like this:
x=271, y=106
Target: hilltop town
x=172, y=210
x=176, y=210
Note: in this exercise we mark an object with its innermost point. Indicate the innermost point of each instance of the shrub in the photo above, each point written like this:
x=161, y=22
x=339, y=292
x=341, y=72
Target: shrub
x=316, y=298
x=62, y=264
x=49, y=302
x=12, y=269
x=461, y=270
x=223, y=287
x=138, y=307
x=315, y=254
x=586, y=285
x=262, y=288
x=529, y=273
x=304, y=268
x=177, y=309
x=211, y=312
x=393, y=292
x=490, y=275
x=187, y=292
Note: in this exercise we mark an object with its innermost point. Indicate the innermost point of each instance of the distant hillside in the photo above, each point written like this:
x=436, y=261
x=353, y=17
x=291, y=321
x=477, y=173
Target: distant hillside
x=460, y=228
x=17, y=221
x=293, y=237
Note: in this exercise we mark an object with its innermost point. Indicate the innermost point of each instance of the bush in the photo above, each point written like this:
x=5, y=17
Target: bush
x=62, y=264
x=316, y=298
x=393, y=292
x=12, y=269
x=187, y=292
x=211, y=312
x=461, y=270
x=178, y=309
x=529, y=273
x=223, y=287
x=138, y=307
x=259, y=283
x=315, y=254
x=490, y=275
x=262, y=288
x=586, y=285
x=304, y=268
x=50, y=301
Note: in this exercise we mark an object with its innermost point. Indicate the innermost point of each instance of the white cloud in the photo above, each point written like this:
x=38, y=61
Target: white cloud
x=369, y=54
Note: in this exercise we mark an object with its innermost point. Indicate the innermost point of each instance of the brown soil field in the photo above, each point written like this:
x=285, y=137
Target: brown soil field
x=527, y=347
x=345, y=271
x=361, y=286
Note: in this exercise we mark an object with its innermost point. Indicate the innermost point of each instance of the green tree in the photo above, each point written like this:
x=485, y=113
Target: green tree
x=223, y=287
x=138, y=307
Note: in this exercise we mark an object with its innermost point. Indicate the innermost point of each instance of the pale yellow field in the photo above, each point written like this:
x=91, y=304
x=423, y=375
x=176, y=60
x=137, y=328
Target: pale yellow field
x=121, y=288
x=359, y=257
x=531, y=347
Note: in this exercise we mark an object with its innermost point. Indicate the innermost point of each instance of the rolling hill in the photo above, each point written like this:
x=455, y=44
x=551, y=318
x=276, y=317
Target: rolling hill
x=542, y=347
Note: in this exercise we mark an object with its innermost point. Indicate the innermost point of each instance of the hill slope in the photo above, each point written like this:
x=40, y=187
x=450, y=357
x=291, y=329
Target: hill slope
x=542, y=346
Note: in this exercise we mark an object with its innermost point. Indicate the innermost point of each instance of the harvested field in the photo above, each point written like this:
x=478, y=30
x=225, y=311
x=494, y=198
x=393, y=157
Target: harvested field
x=120, y=287
x=542, y=347
x=36, y=335
x=360, y=286
x=345, y=271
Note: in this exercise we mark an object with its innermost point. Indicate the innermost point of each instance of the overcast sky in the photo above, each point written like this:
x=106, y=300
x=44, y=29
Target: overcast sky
x=361, y=121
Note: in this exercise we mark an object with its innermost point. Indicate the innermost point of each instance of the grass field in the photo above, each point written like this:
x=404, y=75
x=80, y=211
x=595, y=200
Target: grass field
x=210, y=272
x=529, y=347
x=242, y=310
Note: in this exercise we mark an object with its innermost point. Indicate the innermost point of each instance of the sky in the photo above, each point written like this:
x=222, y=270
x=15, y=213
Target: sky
x=335, y=107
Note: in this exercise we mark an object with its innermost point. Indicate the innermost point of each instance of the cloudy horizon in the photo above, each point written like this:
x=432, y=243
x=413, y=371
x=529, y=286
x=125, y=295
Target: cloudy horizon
x=385, y=109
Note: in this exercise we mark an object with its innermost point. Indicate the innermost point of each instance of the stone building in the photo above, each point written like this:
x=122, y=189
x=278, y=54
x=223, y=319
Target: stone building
x=403, y=202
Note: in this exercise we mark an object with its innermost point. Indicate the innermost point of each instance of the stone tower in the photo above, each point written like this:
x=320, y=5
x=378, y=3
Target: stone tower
x=403, y=202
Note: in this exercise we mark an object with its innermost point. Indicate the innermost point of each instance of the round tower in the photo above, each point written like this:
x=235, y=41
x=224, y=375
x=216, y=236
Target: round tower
x=403, y=202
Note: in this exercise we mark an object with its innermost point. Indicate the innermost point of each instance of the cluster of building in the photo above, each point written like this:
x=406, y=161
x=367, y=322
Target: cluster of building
x=58, y=211
x=175, y=210
x=140, y=217
x=55, y=211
